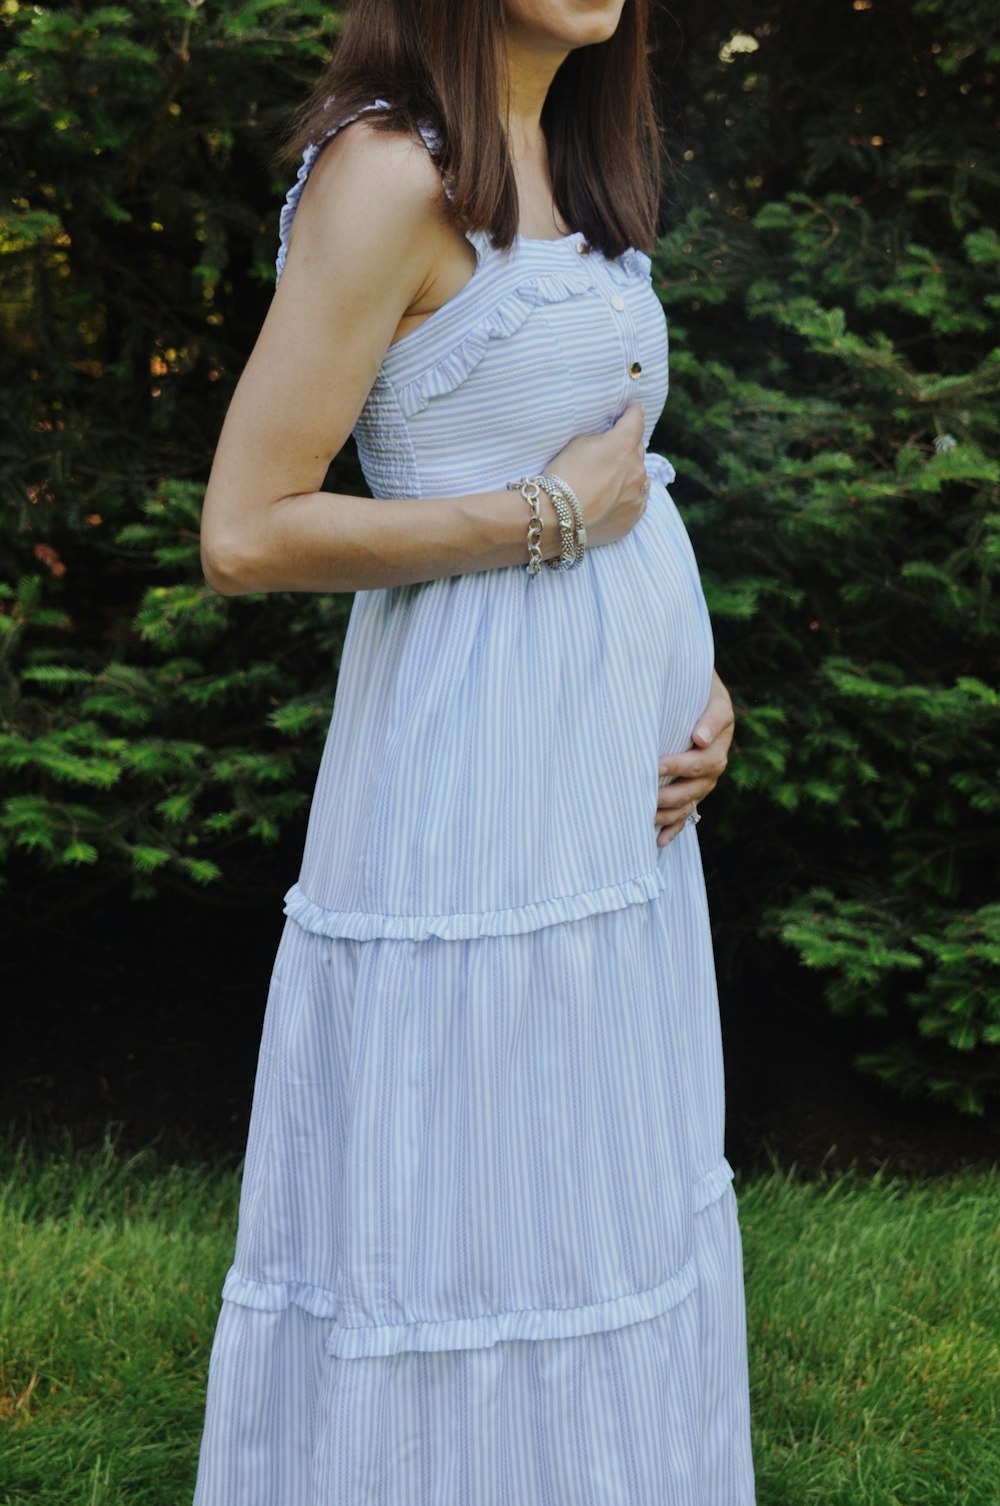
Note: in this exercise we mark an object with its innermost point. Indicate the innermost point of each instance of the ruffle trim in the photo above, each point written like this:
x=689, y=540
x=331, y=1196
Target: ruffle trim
x=632, y=263
x=369, y=925
x=502, y=321
x=294, y=194
x=710, y=1187
x=370, y=1340
x=659, y=468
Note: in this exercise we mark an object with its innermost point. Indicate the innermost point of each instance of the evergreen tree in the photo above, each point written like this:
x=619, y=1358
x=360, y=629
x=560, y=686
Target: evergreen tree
x=832, y=280
x=148, y=726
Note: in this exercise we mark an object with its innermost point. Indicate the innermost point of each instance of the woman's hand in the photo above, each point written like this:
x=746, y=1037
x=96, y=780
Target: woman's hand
x=608, y=473
x=694, y=774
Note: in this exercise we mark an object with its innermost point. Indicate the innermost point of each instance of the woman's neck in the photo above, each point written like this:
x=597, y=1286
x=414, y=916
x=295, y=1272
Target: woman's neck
x=530, y=71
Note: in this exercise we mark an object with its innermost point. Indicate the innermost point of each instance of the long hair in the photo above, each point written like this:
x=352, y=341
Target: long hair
x=439, y=62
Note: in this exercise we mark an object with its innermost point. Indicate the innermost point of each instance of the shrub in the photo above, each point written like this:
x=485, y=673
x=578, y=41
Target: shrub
x=831, y=278
x=833, y=422
x=149, y=727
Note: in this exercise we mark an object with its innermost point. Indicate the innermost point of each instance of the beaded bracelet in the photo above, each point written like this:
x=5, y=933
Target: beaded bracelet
x=567, y=554
x=549, y=481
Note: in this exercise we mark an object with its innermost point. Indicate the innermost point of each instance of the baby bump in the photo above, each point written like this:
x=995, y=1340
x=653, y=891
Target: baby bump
x=663, y=617
x=495, y=736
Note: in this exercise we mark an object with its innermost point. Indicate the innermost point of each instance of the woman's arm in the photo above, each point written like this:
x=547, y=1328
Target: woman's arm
x=368, y=235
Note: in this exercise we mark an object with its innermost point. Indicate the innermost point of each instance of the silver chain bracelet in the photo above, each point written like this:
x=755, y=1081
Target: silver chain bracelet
x=530, y=492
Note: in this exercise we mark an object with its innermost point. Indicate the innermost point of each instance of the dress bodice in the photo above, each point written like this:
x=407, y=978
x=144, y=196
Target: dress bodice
x=491, y=759
x=545, y=341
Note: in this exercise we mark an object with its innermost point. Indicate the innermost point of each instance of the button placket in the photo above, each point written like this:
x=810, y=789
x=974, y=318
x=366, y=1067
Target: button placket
x=627, y=333
x=632, y=345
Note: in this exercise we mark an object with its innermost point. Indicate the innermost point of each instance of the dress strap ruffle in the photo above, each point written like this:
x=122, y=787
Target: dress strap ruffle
x=294, y=194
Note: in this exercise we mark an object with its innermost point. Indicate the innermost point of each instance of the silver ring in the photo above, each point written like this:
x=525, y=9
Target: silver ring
x=694, y=816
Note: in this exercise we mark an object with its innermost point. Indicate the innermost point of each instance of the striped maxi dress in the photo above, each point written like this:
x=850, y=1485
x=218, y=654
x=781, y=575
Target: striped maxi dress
x=488, y=1250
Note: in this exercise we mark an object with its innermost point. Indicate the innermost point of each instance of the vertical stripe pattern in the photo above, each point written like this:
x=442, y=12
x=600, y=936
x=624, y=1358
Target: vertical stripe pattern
x=488, y=1247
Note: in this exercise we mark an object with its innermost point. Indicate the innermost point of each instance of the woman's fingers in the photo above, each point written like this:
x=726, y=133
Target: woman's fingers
x=670, y=798
x=718, y=717
x=668, y=815
x=675, y=802
x=673, y=821
x=697, y=763
x=632, y=413
x=686, y=778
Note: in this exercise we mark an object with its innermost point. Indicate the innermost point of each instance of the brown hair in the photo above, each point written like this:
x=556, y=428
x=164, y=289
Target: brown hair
x=439, y=61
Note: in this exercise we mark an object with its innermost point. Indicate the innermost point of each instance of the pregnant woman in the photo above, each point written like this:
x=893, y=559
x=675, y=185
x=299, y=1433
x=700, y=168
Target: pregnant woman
x=488, y=1250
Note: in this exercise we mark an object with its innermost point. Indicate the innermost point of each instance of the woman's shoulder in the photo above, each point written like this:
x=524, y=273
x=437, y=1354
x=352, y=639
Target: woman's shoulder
x=361, y=174
x=369, y=163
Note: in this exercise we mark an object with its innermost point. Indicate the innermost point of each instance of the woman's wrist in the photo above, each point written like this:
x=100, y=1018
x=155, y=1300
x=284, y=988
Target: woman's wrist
x=479, y=531
x=543, y=506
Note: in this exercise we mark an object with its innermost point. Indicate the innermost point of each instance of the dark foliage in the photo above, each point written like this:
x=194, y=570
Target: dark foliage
x=832, y=280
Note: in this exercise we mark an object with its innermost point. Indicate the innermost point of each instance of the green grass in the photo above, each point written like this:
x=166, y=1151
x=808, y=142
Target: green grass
x=873, y=1314
x=110, y=1269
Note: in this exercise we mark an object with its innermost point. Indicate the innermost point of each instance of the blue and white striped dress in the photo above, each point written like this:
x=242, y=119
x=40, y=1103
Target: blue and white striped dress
x=488, y=1251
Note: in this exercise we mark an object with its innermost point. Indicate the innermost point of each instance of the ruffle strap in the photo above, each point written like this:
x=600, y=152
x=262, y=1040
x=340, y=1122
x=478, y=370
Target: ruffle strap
x=631, y=263
x=294, y=194
x=366, y=925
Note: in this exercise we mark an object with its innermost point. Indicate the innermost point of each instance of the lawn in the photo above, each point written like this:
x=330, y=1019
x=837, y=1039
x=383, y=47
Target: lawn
x=873, y=1313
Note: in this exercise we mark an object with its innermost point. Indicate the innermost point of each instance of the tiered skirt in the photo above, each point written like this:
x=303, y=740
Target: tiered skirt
x=488, y=1251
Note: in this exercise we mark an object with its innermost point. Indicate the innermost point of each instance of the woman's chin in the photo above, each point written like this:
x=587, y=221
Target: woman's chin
x=564, y=23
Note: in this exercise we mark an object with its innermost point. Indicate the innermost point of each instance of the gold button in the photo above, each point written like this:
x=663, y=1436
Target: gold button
x=635, y=369
x=617, y=302
x=582, y=248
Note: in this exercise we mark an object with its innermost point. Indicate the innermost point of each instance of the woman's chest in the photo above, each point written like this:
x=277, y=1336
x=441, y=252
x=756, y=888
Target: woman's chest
x=528, y=355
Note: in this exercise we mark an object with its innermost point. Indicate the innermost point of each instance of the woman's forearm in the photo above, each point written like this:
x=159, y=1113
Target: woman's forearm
x=329, y=541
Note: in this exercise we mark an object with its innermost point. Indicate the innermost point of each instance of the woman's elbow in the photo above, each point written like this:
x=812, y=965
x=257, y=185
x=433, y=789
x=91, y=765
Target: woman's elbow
x=230, y=538
x=227, y=569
